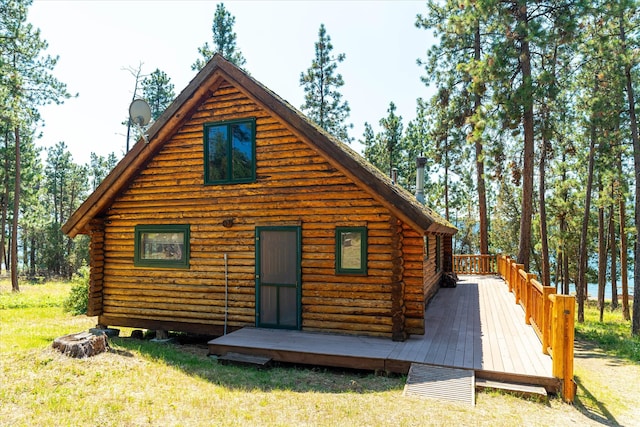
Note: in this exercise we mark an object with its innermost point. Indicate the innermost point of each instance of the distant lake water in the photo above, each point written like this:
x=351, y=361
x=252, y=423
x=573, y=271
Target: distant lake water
x=592, y=290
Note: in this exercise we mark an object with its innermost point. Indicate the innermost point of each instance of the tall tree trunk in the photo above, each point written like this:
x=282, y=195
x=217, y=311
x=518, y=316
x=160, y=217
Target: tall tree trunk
x=624, y=268
x=564, y=231
x=524, y=247
x=446, y=178
x=25, y=251
x=614, y=258
x=32, y=256
x=565, y=268
x=558, y=275
x=635, y=321
x=581, y=285
x=482, y=192
x=546, y=132
x=4, y=203
x=602, y=254
x=16, y=211
x=544, y=240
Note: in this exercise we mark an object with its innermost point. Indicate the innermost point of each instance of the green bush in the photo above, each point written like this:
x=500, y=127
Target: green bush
x=78, y=300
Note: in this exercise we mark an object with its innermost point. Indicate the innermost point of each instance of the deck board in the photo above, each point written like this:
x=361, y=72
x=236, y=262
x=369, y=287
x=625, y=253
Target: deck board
x=476, y=325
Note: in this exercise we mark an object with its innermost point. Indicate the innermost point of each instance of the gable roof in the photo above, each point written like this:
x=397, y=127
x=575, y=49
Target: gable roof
x=399, y=201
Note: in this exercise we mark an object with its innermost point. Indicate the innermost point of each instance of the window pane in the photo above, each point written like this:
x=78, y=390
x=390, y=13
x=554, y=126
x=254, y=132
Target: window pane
x=217, y=140
x=242, y=151
x=288, y=306
x=278, y=257
x=351, y=247
x=269, y=304
x=164, y=246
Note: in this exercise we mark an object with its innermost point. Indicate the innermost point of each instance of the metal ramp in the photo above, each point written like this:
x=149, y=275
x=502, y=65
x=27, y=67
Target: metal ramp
x=436, y=382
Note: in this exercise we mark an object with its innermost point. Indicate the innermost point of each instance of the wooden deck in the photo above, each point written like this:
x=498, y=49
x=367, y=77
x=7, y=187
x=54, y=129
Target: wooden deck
x=475, y=326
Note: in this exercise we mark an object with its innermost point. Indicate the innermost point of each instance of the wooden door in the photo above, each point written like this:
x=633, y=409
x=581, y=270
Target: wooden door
x=278, y=277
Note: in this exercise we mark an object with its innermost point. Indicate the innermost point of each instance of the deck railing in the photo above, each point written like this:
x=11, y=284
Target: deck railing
x=475, y=264
x=551, y=316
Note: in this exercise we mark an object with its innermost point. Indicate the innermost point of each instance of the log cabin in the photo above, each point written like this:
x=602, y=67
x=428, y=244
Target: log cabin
x=236, y=210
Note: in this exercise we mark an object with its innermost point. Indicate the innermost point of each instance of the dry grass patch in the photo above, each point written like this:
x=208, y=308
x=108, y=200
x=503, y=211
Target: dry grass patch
x=145, y=383
x=133, y=387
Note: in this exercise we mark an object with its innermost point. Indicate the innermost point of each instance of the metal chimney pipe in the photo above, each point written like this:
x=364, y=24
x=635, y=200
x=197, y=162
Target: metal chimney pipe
x=420, y=163
x=394, y=175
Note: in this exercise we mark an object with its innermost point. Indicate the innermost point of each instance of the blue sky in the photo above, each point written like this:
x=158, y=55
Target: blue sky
x=98, y=40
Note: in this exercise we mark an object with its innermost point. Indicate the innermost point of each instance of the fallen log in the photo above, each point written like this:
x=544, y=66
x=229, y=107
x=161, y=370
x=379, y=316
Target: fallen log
x=80, y=345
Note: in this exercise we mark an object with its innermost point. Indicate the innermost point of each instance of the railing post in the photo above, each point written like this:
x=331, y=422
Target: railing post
x=546, y=317
x=504, y=271
x=517, y=281
x=528, y=297
x=512, y=275
x=505, y=268
x=562, y=345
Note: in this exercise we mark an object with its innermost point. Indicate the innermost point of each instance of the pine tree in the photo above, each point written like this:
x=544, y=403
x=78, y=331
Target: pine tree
x=414, y=143
x=456, y=65
x=99, y=167
x=625, y=15
x=67, y=185
x=391, y=136
x=27, y=83
x=224, y=40
x=323, y=101
x=374, y=152
x=157, y=90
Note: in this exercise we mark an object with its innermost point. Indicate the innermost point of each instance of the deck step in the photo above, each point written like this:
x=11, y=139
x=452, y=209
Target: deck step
x=520, y=389
x=244, y=359
x=438, y=382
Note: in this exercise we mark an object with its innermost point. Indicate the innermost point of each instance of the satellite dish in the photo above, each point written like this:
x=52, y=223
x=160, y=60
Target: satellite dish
x=139, y=112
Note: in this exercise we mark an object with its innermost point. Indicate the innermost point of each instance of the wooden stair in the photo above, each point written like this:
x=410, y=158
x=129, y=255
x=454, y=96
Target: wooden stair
x=519, y=389
x=244, y=359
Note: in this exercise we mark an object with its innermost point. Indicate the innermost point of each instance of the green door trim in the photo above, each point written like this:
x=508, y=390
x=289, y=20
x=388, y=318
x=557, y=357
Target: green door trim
x=298, y=231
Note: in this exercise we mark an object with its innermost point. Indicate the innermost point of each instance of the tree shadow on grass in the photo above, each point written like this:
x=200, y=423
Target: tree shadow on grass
x=591, y=407
x=586, y=402
x=192, y=359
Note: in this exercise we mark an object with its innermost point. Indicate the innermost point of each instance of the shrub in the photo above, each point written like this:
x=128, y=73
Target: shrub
x=78, y=299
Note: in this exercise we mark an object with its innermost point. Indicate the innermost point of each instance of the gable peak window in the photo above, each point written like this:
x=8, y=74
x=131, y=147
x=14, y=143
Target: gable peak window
x=229, y=152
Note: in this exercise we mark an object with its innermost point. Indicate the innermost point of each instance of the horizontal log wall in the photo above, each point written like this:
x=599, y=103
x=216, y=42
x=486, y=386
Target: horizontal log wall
x=294, y=185
x=413, y=254
x=96, y=261
x=431, y=275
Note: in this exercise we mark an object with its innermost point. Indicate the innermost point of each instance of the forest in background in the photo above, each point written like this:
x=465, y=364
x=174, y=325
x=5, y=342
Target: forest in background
x=529, y=139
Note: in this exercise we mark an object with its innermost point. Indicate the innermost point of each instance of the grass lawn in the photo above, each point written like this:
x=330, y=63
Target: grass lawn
x=612, y=335
x=145, y=383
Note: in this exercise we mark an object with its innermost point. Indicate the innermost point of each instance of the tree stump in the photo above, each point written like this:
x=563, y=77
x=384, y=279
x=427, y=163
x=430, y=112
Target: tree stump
x=83, y=344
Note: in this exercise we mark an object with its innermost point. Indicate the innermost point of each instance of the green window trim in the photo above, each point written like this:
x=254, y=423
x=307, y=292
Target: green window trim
x=230, y=151
x=426, y=247
x=162, y=246
x=351, y=250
